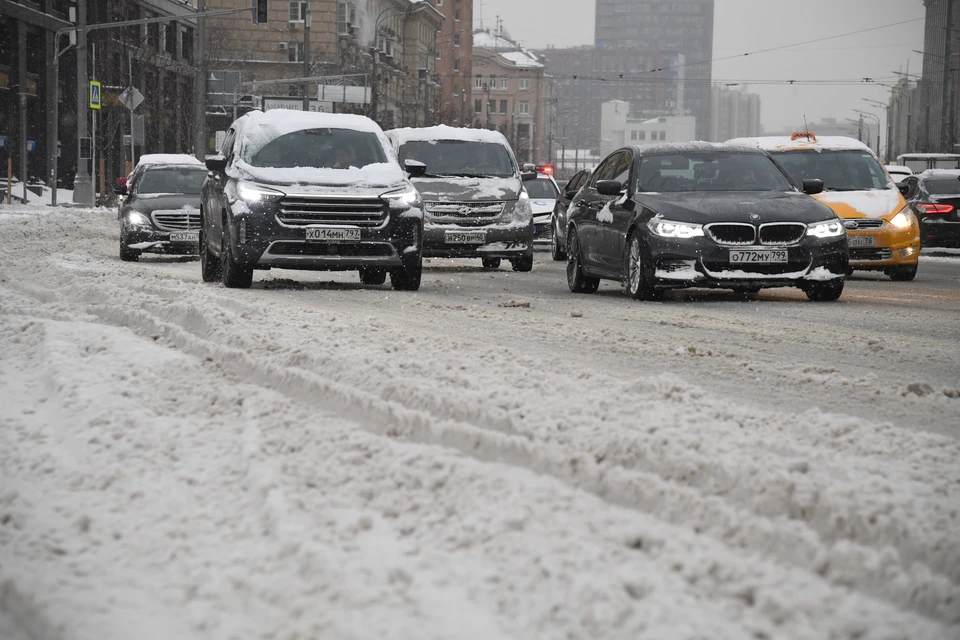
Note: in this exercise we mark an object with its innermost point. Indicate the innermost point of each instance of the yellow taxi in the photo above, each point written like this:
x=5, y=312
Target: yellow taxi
x=882, y=232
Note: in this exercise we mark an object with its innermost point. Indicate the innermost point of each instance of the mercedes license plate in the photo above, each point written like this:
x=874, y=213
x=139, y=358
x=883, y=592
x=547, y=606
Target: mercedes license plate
x=185, y=236
x=334, y=234
x=861, y=241
x=758, y=256
x=465, y=237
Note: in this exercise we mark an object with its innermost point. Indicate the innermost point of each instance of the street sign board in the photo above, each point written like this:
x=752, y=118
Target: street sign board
x=295, y=104
x=4, y=141
x=31, y=146
x=131, y=98
x=85, y=149
x=138, y=130
x=94, y=94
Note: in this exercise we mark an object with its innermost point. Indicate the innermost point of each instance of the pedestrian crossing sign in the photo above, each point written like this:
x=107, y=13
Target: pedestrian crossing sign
x=94, y=94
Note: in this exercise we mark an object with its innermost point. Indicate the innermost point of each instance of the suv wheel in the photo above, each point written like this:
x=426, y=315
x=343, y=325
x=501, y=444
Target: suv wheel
x=490, y=263
x=407, y=278
x=370, y=275
x=556, y=250
x=639, y=271
x=232, y=274
x=524, y=264
x=576, y=280
x=824, y=291
x=902, y=274
x=209, y=264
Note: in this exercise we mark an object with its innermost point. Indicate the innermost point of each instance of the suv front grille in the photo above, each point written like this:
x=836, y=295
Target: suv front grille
x=733, y=233
x=331, y=210
x=782, y=233
x=461, y=210
x=177, y=219
x=863, y=223
x=862, y=253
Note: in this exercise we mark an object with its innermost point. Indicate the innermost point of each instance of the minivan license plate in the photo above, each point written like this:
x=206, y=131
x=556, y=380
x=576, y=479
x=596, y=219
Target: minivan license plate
x=327, y=234
x=764, y=256
x=465, y=237
x=861, y=241
x=187, y=236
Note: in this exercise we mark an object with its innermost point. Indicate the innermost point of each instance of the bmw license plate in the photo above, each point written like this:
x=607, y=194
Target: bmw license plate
x=185, y=236
x=465, y=237
x=861, y=241
x=332, y=234
x=758, y=256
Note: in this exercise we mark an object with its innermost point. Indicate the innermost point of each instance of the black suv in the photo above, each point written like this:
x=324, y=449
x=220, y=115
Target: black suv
x=315, y=191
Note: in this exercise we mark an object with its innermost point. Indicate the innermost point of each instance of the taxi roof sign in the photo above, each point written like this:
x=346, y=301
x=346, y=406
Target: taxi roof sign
x=804, y=134
x=95, y=95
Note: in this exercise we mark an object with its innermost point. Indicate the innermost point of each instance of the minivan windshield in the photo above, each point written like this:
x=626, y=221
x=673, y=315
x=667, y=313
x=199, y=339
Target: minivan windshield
x=710, y=171
x=459, y=158
x=188, y=180
x=316, y=149
x=848, y=170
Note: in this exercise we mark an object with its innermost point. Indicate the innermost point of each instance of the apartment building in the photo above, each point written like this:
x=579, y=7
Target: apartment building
x=454, y=61
x=619, y=127
x=513, y=94
x=734, y=114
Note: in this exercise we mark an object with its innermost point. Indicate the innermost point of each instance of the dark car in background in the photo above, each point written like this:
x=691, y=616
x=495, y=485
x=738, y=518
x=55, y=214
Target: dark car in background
x=934, y=196
x=702, y=215
x=314, y=191
x=558, y=245
x=160, y=212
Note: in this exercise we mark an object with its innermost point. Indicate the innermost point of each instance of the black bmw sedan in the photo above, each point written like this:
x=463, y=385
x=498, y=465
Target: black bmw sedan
x=702, y=215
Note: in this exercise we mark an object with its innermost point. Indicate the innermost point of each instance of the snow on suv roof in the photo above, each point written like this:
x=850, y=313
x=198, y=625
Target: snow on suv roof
x=800, y=143
x=939, y=173
x=444, y=132
x=288, y=121
x=168, y=158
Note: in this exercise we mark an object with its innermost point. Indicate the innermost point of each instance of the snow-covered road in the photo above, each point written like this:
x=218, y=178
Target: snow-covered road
x=315, y=459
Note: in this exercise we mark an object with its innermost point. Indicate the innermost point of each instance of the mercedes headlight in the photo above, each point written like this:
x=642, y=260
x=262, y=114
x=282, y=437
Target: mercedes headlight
x=676, y=230
x=249, y=192
x=403, y=200
x=902, y=220
x=826, y=229
x=137, y=219
x=523, y=212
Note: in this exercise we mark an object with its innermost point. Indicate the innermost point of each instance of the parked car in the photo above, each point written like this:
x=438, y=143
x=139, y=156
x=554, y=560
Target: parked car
x=543, y=194
x=883, y=233
x=702, y=215
x=160, y=211
x=474, y=201
x=295, y=190
x=558, y=246
x=934, y=196
x=898, y=172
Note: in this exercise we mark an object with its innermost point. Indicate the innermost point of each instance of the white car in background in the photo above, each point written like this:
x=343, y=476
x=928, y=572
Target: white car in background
x=543, y=194
x=898, y=172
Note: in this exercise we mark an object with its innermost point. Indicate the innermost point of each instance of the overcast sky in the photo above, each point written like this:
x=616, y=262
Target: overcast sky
x=743, y=26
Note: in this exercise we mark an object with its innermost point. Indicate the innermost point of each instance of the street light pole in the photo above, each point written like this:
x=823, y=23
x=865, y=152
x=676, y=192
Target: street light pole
x=875, y=117
x=82, y=187
x=306, y=56
x=200, y=87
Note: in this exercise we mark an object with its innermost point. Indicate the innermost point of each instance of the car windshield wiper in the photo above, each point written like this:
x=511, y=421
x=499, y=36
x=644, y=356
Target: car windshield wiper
x=474, y=175
x=835, y=189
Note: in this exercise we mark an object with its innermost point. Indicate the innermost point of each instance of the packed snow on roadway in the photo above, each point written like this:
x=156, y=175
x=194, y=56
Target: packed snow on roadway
x=315, y=460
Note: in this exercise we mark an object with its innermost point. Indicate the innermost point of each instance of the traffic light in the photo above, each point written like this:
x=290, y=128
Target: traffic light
x=259, y=10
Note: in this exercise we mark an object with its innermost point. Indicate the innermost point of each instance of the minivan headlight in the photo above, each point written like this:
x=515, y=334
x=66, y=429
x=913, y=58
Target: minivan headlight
x=249, y=192
x=403, y=200
x=671, y=229
x=902, y=220
x=826, y=229
x=523, y=212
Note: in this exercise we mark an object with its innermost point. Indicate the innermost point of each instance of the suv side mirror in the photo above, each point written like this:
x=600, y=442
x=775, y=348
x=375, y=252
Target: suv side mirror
x=120, y=189
x=216, y=163
x=527, y=176
x=609, y=187
x=414, y=168
x=812, y=187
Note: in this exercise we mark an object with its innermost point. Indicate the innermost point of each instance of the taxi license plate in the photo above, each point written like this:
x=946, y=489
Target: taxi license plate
x=187, y=236
x=327, y=234
x=861, y=241
x=763, y=256
x=465, y=237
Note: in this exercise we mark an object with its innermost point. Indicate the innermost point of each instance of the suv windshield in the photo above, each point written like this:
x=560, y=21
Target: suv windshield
x=713, y=171
x=315, y=149
x=941, y=186
x=172, y=180
x=839, y=170
x=459, y=158
x=541, y=188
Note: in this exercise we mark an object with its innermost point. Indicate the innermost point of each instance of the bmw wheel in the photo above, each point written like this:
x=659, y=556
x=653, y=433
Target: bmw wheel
x=576, y=280
x=556, y=250
x=639, y=267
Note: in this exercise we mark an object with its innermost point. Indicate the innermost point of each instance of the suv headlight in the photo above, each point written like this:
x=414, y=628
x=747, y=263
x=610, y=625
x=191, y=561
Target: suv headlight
x=138, y=219
x=679, y=230
x=249, y=192
x=400, y=201
x=903, y=220
x=826, y=229
x=523, y=212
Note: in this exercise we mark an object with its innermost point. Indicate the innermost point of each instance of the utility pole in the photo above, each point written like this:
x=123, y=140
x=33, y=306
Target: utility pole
x=200, y=87
x=23, y=106
x=306, y=57
x=82, y=187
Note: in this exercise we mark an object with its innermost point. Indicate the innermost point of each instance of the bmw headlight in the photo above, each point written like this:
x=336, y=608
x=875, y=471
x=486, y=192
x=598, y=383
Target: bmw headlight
x=523, y=212
x=249, y=192
x=826, y=229
x=137, y=219
x=902, y=220
x=676, y=230
x=403, y=200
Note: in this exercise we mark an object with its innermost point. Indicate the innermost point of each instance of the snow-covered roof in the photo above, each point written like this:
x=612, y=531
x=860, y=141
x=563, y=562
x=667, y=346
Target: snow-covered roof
x=486, y=40
x=786, y=143
x=507, y=49
x=168, y=158
x=522, y=59
x=444, y=132
x=694, y=147
x=940, y=173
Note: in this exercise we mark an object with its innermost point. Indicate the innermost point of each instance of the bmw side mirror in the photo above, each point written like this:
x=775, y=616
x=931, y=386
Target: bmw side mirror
x=120, y=189
x=812, y=187
x=609, y=187
x=570, y=194
x=904, y=188
x=216, y=163
x=414, y=168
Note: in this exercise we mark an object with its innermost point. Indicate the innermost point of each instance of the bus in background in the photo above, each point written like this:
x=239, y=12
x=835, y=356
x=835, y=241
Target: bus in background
x=920, y=162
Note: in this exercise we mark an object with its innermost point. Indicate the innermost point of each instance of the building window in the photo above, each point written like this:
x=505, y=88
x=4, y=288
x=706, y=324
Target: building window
x=641, y=135
x=298, y=10
x=633, y=135
x=524, y=84
x=491, y=106
x=503, y=106
x=295, y=51
x=523, y=107
x=439, y=3
x=456, y=15
x=170, y=46
x=478, y=82
x=478, y=106
x=493, y=82
x=456, y=89
x=346, y=16
x=438, y=53
x=504, y=82
x=186, y=44
x=456, y=64
x=663, y=135
x=456, y=39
